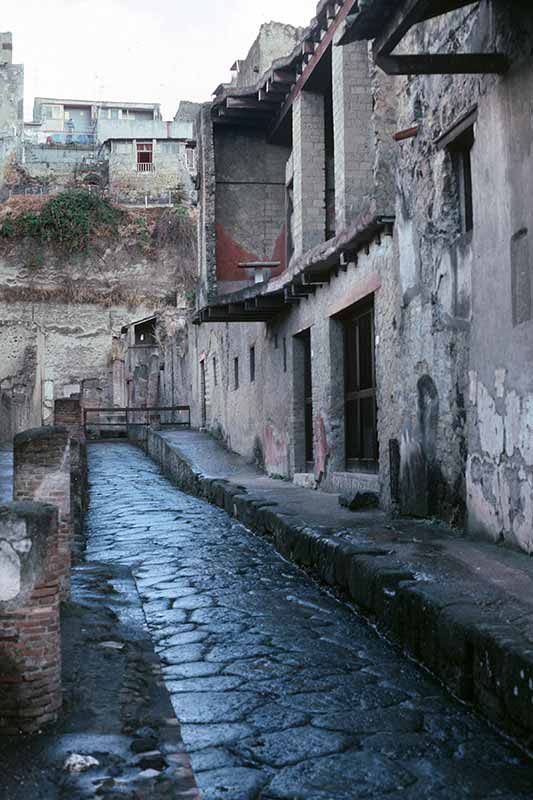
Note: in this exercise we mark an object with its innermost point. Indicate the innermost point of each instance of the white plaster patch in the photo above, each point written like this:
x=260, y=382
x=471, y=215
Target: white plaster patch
x=23, y=546
x=9, y=572
x=526, y=430
x=512, y=422
x=523, y=524
x=472, y=387
x=482, y=515
x=491, y=426
x=408, y=256
x=499, y=381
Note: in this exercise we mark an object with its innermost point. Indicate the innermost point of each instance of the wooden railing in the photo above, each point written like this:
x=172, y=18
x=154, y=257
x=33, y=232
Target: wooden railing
x=115, y=423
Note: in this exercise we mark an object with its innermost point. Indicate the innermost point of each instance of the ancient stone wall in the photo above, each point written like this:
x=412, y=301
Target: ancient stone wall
x=63, y=311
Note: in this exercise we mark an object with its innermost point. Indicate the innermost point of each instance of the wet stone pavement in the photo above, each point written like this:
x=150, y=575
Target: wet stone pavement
x=283, y=692
x=6, y=473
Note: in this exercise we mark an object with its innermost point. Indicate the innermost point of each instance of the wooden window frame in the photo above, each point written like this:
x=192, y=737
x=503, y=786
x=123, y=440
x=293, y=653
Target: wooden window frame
x=357, y=463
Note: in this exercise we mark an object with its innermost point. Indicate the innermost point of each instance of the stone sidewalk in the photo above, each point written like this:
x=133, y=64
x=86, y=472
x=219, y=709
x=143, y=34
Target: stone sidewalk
x=461, y=607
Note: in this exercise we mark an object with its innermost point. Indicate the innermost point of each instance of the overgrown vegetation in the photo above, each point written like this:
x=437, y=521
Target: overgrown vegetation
x=68, y=218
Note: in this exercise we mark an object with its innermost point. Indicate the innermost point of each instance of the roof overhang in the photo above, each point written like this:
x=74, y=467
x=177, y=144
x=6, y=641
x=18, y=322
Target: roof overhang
x=267, y=103
x=387, y=22
x=264, y=302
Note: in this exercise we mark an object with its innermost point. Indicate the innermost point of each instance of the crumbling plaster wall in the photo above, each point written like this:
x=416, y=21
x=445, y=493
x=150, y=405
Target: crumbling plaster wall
x=500, y=461
x=457, y=310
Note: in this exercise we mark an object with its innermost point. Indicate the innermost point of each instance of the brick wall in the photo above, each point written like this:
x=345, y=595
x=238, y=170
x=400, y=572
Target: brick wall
x=352, y=124
x=42, y=472
x=309, y=170
x=68, y=413
x=30, y=649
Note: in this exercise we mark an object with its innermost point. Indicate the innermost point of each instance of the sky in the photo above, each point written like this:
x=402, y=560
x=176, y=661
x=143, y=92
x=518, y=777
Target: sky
x=139, y=50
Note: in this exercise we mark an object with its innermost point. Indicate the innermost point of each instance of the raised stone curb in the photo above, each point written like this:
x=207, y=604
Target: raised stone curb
x=474, y=640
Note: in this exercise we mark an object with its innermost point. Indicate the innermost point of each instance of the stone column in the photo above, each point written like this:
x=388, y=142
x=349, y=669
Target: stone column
x=68, y=413
x=42, y=472
x=30, y=646
x=309, y=171
x=352, y=119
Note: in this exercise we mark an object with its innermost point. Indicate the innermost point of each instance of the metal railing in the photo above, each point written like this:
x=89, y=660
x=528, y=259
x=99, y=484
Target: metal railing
x=121, y=423
x=62, y=138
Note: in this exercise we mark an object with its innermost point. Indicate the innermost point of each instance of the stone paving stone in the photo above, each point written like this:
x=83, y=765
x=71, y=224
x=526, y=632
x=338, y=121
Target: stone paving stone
x=284, y=692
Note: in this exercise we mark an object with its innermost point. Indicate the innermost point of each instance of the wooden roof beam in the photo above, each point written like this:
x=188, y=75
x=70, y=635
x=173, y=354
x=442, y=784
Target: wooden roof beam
x=444, y=64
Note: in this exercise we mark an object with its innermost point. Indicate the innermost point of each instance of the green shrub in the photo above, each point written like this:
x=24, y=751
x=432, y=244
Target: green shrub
x=68, y=218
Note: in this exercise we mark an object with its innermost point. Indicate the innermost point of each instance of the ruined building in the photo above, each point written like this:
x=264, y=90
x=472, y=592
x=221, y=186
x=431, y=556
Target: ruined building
x=364, y=317
x=96, y=233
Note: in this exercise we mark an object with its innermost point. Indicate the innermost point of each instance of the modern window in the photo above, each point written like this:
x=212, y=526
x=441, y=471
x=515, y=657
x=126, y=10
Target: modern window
x=145, y=156
x=236, y=373
x=252, y=364
x=360, y=389
x=52, y=112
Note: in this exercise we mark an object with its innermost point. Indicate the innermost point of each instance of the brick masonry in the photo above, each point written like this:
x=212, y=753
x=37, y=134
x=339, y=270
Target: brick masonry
x=30, y=650
x=309, y=164
x=42, y=472
x=68, y=413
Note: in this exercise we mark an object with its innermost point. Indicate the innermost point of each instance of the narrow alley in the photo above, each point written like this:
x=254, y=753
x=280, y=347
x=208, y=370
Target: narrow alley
x=282, y=690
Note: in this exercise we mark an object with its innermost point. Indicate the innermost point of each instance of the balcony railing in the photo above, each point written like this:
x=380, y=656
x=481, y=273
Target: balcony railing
x=145, y=167
x=85, y=138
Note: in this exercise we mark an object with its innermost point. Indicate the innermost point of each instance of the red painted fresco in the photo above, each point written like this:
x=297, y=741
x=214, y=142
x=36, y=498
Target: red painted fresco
x=275, y=450
x=280, y=252
x=322, y=450
x=230, y=254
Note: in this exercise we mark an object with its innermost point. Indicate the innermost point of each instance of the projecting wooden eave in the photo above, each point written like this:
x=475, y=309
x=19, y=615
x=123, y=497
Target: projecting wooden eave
x=387, y=22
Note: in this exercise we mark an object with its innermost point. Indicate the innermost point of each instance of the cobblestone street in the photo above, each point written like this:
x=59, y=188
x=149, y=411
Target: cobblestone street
x=283, y=692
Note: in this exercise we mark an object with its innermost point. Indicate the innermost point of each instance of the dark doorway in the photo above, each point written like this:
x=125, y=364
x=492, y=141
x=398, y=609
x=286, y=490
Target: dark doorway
x=308, y=400
x=360, y=389
x=203, y=393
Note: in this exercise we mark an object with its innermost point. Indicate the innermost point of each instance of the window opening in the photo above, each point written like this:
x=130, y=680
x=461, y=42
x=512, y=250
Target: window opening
x=252, y=364
x=360, y=390
x=236, y=373
x=145, y=156
x=215, y=376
